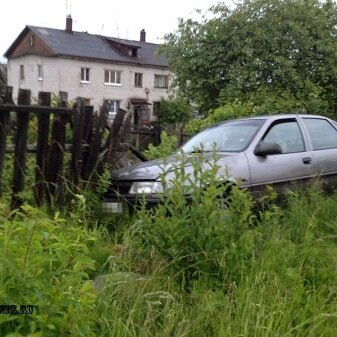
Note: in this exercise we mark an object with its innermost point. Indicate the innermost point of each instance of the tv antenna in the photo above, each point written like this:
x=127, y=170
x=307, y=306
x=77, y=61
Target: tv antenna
x=68, y=6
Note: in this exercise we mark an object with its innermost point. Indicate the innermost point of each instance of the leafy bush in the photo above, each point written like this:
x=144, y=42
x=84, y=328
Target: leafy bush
x=177, y=111
x=308, y=100
x=167, y=146
x=207, y=267
x=208, y=235
x=45, y=263
x=263, y=102
x=235, y=52
x=229, y=110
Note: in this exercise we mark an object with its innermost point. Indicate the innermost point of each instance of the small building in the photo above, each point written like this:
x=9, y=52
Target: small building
x=124, y=73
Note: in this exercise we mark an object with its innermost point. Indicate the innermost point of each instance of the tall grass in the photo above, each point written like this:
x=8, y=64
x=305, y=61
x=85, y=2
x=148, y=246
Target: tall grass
x=287, y=286
x=197, y=269
x=212, y=266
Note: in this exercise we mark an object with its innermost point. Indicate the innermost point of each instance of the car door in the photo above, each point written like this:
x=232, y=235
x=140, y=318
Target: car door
x=323, y=137
x=292, y=166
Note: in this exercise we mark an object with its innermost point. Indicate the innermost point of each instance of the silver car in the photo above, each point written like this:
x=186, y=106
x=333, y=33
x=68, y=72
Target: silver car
x=277, y=150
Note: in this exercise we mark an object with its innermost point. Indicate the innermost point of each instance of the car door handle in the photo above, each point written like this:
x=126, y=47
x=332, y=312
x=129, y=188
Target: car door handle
x=307, y=160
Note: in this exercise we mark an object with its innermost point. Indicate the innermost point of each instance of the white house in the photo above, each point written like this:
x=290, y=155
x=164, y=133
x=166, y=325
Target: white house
x=127, y=74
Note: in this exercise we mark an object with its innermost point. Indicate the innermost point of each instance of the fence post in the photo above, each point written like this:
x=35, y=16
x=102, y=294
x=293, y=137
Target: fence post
x=93, y=161
x=111, y=141
x=42, y=149
x=20, y=148
x=54, y=173
x=76, y=152
x=5, y=97
x=88, y=122
x=156, y=134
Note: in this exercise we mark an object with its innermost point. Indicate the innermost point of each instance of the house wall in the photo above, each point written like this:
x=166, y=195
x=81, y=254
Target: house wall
x=64, y=74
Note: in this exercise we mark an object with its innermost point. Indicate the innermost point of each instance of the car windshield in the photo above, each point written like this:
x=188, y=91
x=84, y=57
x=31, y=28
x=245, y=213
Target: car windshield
x=232, y=136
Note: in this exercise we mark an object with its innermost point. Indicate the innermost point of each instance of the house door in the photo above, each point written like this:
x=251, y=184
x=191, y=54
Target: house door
x=136, y=115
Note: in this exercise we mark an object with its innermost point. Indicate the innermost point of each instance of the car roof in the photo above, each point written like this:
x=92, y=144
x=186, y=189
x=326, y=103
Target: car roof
x=286, y=115
x=272, y=117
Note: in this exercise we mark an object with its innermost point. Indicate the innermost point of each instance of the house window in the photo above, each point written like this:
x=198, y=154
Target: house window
x=113, y=106
x=113, y=77
x=85, y=78
x=156, y=108
x=161, y=81
x=132, y=52
x=63, y=98
x=31, y=41
x=39, y=72
x=22, y=72
x=138, y=80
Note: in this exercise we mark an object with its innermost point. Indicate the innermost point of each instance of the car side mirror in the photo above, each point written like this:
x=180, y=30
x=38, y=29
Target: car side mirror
x=264, y=149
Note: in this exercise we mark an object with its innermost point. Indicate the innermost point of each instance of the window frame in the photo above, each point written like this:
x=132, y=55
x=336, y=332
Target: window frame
x=85, y=75
x=40, y=72
x=332, y=125
x=22, y=72
x=284, y=121
x=138, y=78
x=117, y=73
x=116, y=105
x=156, y=108
x=32, y=41
x=158, y=78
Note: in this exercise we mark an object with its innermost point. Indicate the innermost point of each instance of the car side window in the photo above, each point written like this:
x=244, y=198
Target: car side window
x=322, y=134
x=286, y=134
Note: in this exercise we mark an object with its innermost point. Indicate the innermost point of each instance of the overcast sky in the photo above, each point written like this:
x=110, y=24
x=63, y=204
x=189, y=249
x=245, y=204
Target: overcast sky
x=122, y=18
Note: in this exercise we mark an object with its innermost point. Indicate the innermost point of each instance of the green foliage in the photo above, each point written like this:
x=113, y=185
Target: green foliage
x=214, y=265
x=266, y=101
x=201, y=236
x=275, y=46
x=262, y=102
x=167, y=146
x=7, y=178
x=45, y=262
x=177, y=111
x=130, y=304
x=229, y=110
x=194, y=269
x=208, y=267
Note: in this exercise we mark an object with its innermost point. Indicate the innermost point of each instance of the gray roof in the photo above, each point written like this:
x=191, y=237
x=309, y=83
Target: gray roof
x=82, y=44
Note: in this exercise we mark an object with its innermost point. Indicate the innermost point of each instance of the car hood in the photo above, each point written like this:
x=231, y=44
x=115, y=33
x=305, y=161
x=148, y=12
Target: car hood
x=233, y=165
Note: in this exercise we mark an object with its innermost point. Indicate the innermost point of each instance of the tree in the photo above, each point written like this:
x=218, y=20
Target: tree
x=174, y=111
x=261, y=46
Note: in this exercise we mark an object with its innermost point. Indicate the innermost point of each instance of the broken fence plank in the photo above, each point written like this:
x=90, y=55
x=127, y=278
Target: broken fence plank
x=20, y=149
x=42, y=149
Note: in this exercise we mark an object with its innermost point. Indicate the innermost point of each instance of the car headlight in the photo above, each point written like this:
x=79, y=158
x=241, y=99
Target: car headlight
x=146, y=187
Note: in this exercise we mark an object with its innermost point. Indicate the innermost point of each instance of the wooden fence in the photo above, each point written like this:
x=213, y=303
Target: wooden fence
x=88, y=148
x=93, y=143
x=141, y=137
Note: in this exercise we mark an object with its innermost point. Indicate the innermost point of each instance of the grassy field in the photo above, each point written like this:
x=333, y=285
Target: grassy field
x=202, y=270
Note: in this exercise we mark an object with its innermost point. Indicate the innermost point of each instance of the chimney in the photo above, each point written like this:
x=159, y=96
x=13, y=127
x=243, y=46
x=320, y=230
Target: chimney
x=142, y=35
x=69, y=24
